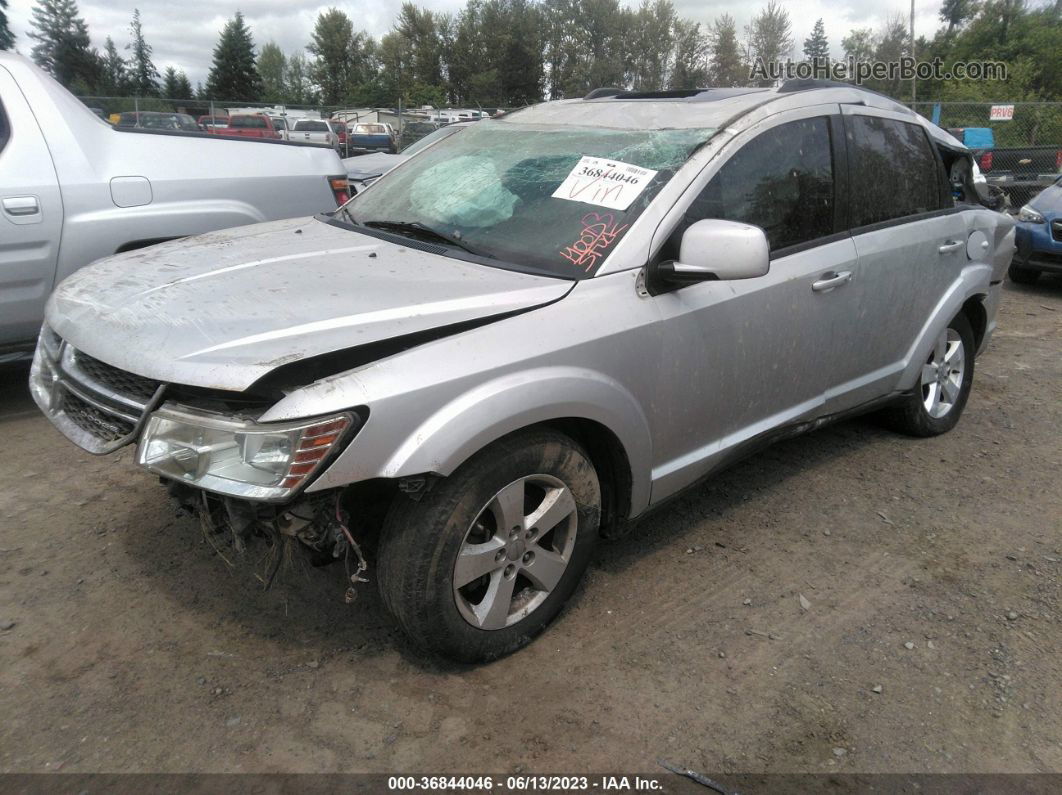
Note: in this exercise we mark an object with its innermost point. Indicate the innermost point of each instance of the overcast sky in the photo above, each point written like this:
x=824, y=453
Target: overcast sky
x=183, y=33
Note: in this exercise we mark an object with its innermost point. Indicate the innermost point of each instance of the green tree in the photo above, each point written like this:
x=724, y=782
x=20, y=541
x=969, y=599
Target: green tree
x=957, y=12
x=689, y=69
x=7, y=38
x=62, y=45
x=333, y=47
x=271, y=66
x=143, y=76
x=297, y=86
x=654, y=39
x=115, y=77
x=816, y=46
x=770, y=36
x=726, y=67
x=233, y=75
x=175, y=84
x=859, y=44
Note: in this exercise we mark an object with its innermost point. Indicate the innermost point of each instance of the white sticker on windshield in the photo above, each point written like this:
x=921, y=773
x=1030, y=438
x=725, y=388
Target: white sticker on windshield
x=606, y=183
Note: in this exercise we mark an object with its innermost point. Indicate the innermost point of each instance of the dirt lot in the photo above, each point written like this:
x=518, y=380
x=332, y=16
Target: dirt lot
x=927, y=639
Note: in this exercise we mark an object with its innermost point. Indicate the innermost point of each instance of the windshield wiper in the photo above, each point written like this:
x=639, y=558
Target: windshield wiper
x=417, y=229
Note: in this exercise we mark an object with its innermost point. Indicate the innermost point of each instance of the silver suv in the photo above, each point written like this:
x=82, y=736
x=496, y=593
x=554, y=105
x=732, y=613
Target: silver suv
x=532, y=332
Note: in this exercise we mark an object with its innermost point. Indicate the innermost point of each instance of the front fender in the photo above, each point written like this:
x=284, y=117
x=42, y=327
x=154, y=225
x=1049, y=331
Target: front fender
x=974, y=280
x=456, y=430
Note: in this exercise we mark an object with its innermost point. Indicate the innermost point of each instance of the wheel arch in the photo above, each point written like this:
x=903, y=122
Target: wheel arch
x=593, y=409
x=974, y=309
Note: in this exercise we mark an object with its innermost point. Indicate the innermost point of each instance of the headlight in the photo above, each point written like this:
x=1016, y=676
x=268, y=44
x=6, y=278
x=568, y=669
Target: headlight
x=245, y=459
x=1029, y=215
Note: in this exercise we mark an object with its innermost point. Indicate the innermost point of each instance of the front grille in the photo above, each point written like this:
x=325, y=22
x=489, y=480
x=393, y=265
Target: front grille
x=104, y=426
x=96, y=405
x=1056, y=230
x=126, y=384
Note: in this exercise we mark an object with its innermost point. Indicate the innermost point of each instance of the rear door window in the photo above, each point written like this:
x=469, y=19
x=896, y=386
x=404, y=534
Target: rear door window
x=894, y=172
x=781, y=181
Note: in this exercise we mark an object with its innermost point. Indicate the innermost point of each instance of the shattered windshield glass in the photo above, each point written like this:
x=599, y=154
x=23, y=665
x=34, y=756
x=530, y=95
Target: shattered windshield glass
x=547, y=199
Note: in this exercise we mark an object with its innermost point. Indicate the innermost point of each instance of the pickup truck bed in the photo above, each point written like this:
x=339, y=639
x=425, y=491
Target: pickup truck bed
x=74, y=189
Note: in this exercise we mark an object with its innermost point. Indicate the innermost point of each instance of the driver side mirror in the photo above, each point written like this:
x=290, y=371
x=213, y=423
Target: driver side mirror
x=713, y=249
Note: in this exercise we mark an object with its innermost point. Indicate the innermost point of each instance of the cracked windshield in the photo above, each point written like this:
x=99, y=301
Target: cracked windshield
x=553, y=200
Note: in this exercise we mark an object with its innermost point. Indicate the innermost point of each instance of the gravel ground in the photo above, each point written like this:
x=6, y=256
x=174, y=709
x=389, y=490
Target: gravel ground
x=847, y=601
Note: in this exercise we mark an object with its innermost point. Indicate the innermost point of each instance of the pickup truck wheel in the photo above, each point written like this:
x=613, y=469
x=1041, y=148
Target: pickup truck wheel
x=1020, y=275
x=487, y=558
x=935, y=405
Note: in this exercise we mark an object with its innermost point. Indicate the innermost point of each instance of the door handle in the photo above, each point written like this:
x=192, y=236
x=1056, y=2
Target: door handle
x=951, y=246
x=831, y=280
x=20, y=206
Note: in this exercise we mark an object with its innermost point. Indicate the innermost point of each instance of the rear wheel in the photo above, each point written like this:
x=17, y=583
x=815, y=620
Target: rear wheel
x=487, y=558
x=1020, y=275
x=936, y=404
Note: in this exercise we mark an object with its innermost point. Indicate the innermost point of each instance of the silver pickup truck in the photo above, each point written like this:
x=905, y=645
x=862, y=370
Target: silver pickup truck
x=74, y=189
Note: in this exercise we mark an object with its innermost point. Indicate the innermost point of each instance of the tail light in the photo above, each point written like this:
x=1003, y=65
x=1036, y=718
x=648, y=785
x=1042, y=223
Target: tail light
x=986, y=161
x=340, y=188
x=1058, y=160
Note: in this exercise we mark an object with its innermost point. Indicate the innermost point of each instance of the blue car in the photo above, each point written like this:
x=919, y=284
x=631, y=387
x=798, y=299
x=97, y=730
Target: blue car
x=1038, y=236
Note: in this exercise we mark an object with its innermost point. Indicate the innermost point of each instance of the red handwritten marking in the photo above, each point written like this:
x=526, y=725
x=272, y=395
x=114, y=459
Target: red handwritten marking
x=602, y=193
x=599, y=232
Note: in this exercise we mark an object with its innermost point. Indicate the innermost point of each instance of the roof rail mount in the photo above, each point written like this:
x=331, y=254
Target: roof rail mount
x=598, y=93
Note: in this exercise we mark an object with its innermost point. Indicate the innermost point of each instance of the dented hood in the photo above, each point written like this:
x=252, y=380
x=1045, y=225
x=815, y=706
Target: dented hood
x=223, y=309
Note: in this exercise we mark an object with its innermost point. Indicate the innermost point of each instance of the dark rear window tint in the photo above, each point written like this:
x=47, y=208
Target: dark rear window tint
x=894, y=173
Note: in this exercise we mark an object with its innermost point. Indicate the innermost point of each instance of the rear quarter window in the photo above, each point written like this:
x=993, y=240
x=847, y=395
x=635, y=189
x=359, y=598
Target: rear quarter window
x=894, y=171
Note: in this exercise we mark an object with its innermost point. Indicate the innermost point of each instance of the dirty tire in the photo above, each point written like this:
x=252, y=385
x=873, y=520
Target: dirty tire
x=421, y=542
x=1020, y=275
x=910, y=415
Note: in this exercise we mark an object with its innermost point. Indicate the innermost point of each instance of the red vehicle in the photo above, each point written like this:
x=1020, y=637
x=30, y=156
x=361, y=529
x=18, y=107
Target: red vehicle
x=251, y=125
x=212, y=123
x=339, y=127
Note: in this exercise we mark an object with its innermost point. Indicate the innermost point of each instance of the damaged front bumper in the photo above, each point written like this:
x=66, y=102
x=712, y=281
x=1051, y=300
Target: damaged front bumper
x=317, y=524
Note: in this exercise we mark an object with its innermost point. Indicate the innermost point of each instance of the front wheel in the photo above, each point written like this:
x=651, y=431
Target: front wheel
x=935, y=405
x=487, y=558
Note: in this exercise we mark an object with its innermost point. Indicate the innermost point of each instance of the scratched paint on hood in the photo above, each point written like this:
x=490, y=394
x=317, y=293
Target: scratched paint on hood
x=223, y=309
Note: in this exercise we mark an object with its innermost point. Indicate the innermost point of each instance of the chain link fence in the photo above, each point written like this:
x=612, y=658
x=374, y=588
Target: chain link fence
x=408, y=124
x=1018, y=145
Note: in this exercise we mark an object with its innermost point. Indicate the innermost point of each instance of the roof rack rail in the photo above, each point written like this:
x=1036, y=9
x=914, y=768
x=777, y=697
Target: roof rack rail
x=808, y=83
x=598, y=93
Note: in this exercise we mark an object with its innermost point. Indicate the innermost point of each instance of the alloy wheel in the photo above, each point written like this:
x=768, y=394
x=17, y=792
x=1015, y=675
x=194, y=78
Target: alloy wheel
x=515, y=552
x=942, y=374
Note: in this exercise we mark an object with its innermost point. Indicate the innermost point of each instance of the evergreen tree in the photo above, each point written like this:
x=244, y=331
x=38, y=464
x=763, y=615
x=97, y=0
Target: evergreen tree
x=726, y=67
x=233, y=75
x=115, y=80
x=7, y=38
x=143, y=76
x=816, y=46
x=184, y=87
x=271, y=67
x=175, y=84
x=62, y=44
